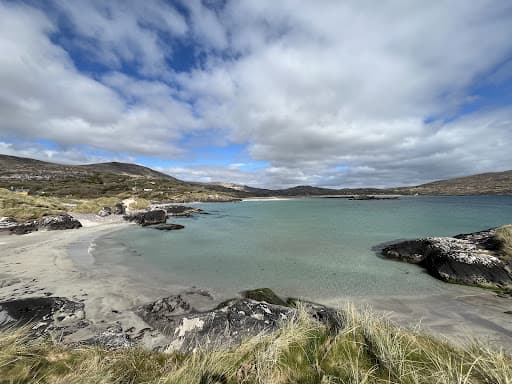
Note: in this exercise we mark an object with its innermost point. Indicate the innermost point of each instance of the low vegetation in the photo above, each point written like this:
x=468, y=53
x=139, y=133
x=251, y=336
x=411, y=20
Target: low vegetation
x=504, y=237
x=24, y=207
x=368, y=349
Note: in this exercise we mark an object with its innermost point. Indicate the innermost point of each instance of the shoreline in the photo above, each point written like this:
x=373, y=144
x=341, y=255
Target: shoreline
x=47, y=263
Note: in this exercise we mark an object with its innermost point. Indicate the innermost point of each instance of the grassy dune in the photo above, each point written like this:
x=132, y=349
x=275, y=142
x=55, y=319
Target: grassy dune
x=26, y=207
x=368, y=350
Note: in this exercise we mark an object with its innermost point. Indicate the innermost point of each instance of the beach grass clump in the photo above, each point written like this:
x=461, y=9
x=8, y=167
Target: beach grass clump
x=25, y=207
x=369, y=349
x=504, y=236
x=95, y=205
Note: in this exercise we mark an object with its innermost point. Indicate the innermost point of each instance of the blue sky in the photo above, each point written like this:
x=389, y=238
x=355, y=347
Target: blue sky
x=270, y=94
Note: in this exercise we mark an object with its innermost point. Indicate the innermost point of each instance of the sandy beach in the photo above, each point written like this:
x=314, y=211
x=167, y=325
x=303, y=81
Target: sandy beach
x=57, y=263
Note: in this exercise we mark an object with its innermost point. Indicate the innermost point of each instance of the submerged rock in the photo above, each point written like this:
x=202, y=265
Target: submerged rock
x=471, y=259
x=167, y=226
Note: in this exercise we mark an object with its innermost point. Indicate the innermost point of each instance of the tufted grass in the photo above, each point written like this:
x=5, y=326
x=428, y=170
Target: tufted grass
x=504, y=236
x=370, y=349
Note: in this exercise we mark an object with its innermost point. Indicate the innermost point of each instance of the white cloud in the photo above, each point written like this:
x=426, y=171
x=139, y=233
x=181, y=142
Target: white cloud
x=327, y=93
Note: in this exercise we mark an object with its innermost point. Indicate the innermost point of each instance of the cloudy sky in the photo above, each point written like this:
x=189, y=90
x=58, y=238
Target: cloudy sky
x=266, y=93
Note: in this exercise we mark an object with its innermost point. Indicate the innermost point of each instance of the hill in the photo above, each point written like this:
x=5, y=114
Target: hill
x=101, y=180
x=493, y=183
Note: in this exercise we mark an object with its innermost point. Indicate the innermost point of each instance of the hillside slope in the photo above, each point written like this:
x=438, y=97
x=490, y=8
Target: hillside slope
x=493, y=183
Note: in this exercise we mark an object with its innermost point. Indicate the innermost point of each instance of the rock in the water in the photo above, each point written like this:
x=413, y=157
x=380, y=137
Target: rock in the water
x=119, y=209
x=59, y=222
x=152, y=217
x=167, y=226
x=470, y=259
x=105, y=211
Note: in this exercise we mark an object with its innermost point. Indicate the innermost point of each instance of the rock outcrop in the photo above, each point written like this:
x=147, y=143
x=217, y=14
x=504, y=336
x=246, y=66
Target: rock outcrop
x=471, y=259
x=119, y=209
x=49, y=223
x=45, y=315
x=151, y=217
x=228, y=323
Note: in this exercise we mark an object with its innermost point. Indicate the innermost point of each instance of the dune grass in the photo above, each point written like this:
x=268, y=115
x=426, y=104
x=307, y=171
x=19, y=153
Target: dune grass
x=504, y=236
x=24, y=207
x=369, y=350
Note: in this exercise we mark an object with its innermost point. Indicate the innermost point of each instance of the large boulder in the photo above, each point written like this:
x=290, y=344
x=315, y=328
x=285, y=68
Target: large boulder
x=471, y=259
x=49, y=223
x=144, y=218
x=44, y=314
x=230, y=322
x=59, y=222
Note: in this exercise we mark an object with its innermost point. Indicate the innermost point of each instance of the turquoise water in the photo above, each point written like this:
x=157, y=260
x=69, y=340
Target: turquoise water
x=314, y=248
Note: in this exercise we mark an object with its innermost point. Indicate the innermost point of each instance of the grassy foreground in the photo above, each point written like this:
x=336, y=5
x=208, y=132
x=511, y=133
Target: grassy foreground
x=368, y=350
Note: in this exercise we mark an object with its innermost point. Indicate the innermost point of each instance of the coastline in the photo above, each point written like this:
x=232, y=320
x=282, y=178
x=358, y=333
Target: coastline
x=53, y=264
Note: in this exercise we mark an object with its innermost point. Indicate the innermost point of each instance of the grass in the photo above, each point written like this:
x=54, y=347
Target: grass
x=504, y=237
x=24, y=207
x=369, y=350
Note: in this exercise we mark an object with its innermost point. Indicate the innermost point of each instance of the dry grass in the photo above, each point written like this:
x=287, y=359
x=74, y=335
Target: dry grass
x=23, y=207
x=368, y=350
x=504, y=236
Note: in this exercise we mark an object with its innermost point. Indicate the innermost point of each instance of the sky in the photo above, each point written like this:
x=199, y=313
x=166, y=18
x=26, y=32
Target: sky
x=264, y=93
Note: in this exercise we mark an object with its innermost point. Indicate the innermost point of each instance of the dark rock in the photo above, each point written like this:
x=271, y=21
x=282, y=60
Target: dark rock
x=119, y=209
x=24, y=228
x=231, y=321
x=167, y=226
x=144, y=218
x=469, y=259
x=105, y=211
x=264, y=294
x=7, y=222
x=59, y=222
x=181, y=210
x=226, y=325
x=113, y=337
x=46, y=313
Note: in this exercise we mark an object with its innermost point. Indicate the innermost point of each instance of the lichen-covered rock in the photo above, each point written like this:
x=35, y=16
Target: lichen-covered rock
x=226, y=325
x=230, y=322
x=470, y=259
x=59, y=222
x=7, y=222
x=105, y=211
x=49, y=223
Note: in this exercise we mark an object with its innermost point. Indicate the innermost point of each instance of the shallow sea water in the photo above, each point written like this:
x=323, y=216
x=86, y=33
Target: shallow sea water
x=313, y=247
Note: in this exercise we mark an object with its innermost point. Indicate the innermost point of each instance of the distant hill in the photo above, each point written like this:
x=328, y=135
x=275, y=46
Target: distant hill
x=25, y=168
x=493, y=183
x=108, y=178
